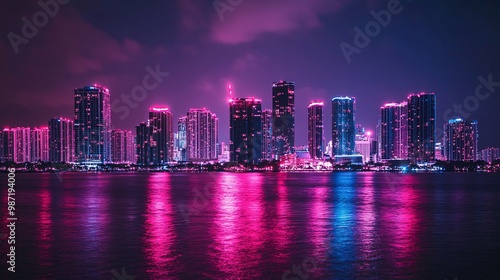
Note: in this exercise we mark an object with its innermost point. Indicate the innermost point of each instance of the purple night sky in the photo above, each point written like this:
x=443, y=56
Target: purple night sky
x=437, y=46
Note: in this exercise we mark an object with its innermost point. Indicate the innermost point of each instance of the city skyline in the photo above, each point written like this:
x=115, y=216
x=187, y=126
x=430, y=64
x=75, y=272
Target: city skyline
x=202, y=54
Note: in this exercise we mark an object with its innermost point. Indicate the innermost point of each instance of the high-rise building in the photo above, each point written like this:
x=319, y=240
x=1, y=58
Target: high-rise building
x=144, y=142
x=315, y=130
x=343, y=125
x=61, y=140
x=460, y=140
x=490, y=154
x=267, y=134
x=364, y=144
x=393, y=125
x=245, y=130
x=160, y=119
x=7, y=145
x=40, y=144
x=92, y=125
x=440, y=152
x=202, y=135
x=283, y=126
x=421, y=127
x=122, y=146
x=22, y=144
x=181, y=143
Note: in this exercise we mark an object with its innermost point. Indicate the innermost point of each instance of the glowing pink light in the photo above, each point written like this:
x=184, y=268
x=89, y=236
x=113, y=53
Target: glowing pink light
x=159, y=109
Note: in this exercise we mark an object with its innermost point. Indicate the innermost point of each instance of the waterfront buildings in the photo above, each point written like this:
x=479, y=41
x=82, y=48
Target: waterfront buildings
x=315, y=131
x=7, y=145
x=245, y=130
x=461, y=140
x=421, y=127
x=22, y=144
x=40, y=144
x=201, y=134
x=283, y=123
x=92, y=124
x=144, y=144
x=181, y=140
x=122, y=147
x=393, y=133
x=61, y=140
x=343, y=126
x=490, y=154
x=160, y=119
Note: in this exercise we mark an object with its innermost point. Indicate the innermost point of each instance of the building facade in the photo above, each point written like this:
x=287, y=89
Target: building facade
x=144, y=142
x=283, y=123
x=61, y=140
x=161, y=120
x=92, y=125
x=201, y=134
x=40, y=144
x=393, y=125
x=421, y=127
x=245, y=130
x=343, y=126
x=122, y=146
x=267, y=134
x=490, y=154
x=315, y=131
x=461, y=140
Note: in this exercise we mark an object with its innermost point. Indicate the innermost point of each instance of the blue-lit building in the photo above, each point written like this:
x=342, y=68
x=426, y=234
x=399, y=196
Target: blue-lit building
x=422, y=127
x=343, y=125
x=92, y=125
x=245, y=130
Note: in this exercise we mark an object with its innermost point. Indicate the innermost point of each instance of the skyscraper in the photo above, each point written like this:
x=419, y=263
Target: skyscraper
x=122, y=146
x=22, y=144
x=421, y=127
x=343, y=125
x=182, y=138
x=40, y=144
x=490, y=154
x=283, y=118
x=245, y=130
x=92, y=124
x=160, y=119
x=460, y=140
x=394, y=131
x=202, y=134
x=7, y=145
x=315, y=130
x=61, y=140
x=267, y=134
x=144, y=142
x=364, y=144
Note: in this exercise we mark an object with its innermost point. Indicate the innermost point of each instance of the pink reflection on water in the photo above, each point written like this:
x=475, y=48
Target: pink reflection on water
x=159, y=232
x=237, y=229
x=281, y=232
x=319, y=223
x=45, y=233
x=366, y=222
x=402, y=223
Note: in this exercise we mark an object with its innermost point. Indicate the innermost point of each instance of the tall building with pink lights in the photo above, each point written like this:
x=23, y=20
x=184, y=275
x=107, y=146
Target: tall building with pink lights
x=315, y=130
x=22, y=144
x=40, y=144
x=61, y=140
x=422, y=127
x=161, y=120
x=122, y=146
x=92, y=125
x=461, y=140
x=7, y=145
x=393, y=131
x=245, y=130
x=201, y=135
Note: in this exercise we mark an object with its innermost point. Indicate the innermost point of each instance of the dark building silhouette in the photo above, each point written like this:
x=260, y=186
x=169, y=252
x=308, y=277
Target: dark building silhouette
x=315, y=130
x=422, y=127
x=245, y=130
x=283, y=118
